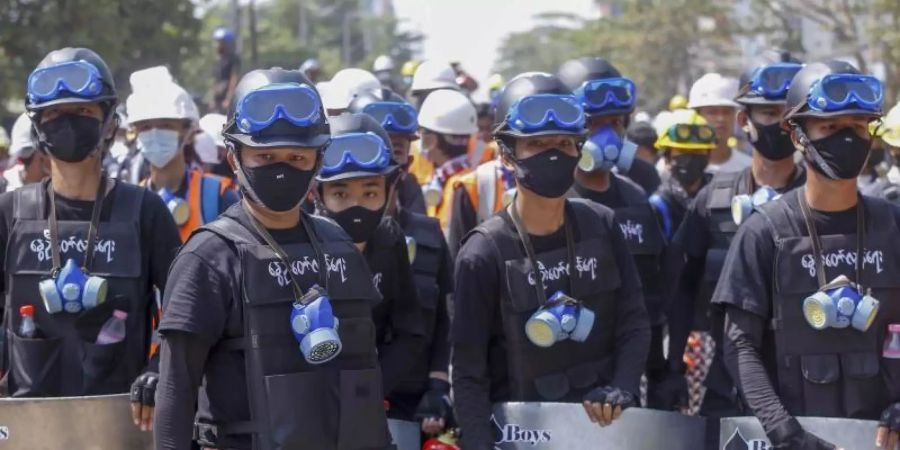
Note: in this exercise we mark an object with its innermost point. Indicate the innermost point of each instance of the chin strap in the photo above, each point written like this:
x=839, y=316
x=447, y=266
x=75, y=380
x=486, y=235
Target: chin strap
x=811, y=150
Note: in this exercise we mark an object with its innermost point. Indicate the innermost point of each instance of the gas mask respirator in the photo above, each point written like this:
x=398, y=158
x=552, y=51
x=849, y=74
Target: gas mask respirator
x=561, y=318
x=72, y=290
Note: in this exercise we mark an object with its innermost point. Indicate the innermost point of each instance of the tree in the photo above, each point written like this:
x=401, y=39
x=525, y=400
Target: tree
x=128, y=34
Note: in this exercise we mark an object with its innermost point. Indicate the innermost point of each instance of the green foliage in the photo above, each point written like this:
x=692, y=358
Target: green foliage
x=128, y=34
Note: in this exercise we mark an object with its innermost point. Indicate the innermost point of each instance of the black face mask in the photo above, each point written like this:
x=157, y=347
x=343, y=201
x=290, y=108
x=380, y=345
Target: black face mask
x=844, y=152
x=70, y=137
x=773, y=142
x=358, y=221
x=279, y=186
x=549, y=174
x=688, y=169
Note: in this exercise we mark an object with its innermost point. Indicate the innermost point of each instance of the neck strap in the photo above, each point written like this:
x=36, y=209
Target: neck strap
x=529, y=250
x=93, y=228
x=817, y=242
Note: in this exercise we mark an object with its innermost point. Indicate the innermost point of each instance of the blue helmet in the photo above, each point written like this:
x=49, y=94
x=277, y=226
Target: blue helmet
x=223, y=34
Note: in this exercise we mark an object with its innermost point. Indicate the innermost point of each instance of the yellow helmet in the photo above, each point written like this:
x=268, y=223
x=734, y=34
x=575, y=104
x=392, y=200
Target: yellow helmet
x=495, y=82
x=409, y=68
x=890, y=127
x=678, y=101
x=687, y=130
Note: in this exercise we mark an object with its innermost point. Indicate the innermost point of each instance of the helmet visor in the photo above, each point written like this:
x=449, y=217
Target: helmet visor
x=299, y=104
x=76, y=77
x=364, y=151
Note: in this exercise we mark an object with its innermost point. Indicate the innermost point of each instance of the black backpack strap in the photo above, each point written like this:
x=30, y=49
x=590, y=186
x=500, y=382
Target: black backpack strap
x=229, y=229
x=28, y=202
x=127, y=202
x=723, y=187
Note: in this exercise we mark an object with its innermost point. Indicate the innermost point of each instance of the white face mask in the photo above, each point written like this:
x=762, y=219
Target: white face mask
x=158, y=146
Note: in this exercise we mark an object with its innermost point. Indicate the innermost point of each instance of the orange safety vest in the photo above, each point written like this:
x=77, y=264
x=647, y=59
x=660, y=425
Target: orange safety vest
x=421, y=168
x=195, y=202
x=469, y=182
x=488, y=151
x=443, y=210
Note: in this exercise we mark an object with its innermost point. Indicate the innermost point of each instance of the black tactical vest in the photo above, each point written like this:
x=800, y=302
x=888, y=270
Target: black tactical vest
x=69, y=362
x=644, y=236
x=723, y=187
x=567, y=370
x=833, y=372
x=429, y=255
x=293, y=404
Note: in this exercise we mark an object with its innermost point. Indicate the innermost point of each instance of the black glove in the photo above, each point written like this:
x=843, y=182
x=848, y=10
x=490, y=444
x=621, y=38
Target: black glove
x=806, y=441
x=143, y=390
x=670, y=393
x=612, y=395
x=435, y=404
x=890, y=418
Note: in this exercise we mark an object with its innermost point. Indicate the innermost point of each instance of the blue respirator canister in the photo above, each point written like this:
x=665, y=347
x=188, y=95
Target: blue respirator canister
x=839, y=304
x=179, y=208
x=561, y=318
x=72, y=290
x=315, y=327
x=742, y=205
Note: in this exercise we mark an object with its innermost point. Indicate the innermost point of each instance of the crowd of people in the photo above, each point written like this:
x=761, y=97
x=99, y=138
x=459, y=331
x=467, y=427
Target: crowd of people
x=313, y=257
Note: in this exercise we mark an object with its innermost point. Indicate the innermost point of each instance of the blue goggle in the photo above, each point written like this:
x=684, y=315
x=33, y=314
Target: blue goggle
x=296, y=103
x=838, y=91
x=394, y=117
x=76, y=77
x=545, y=112
x=363, y=151
x=773, y=81
x=609, y=93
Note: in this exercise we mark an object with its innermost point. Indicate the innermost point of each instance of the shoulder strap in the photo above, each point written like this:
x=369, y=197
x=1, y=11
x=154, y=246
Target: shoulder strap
x=29, y=202
x=722, y=189
x=486, y=181
x=880, y=214
x=230, y=229
x=210, y=187
x=588, y=217
x=126, y=205
x=662, y=207
x=778, y=217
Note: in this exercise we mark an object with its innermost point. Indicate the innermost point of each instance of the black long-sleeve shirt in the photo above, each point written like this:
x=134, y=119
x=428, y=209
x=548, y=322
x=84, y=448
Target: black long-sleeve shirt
x=398, y=318
x=746, y=294
x=479, y=376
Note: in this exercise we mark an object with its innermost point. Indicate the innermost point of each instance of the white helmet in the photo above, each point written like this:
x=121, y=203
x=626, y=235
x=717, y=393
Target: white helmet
x=156, y=96
x=213, y=124
x=713, y=89
x=433, y=74
x=4, y=138
x=448, y=112
x=22, y=144
x=206, y=147
x=383, y=63
x=347, y=84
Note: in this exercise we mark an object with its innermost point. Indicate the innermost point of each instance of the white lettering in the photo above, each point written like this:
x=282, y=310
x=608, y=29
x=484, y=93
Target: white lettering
x=632, y=230
x=582, y=265
x=40, y=247
x=278, y=270
x=872, y=258
x=376, y=280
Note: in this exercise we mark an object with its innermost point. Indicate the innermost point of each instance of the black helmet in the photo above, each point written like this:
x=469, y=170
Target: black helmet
x=521, y=86
x=357, y=123
x=71, y=54
x=575, y=72
x=363, y=99
x=798, y=93
x=769, y=57
x=281, y=133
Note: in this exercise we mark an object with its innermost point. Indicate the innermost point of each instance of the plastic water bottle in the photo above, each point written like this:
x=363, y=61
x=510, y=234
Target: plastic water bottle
x=114, y=329
x=28, y=329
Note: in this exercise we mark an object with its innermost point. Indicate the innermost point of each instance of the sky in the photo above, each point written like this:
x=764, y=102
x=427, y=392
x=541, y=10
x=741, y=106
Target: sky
x=470, y=31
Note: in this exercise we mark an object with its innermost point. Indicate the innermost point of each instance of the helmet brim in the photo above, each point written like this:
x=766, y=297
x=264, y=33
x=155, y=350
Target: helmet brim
x=829, y=114
x=68, y=101
x=750, y=101
x=354, y=174
x=317, y=141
